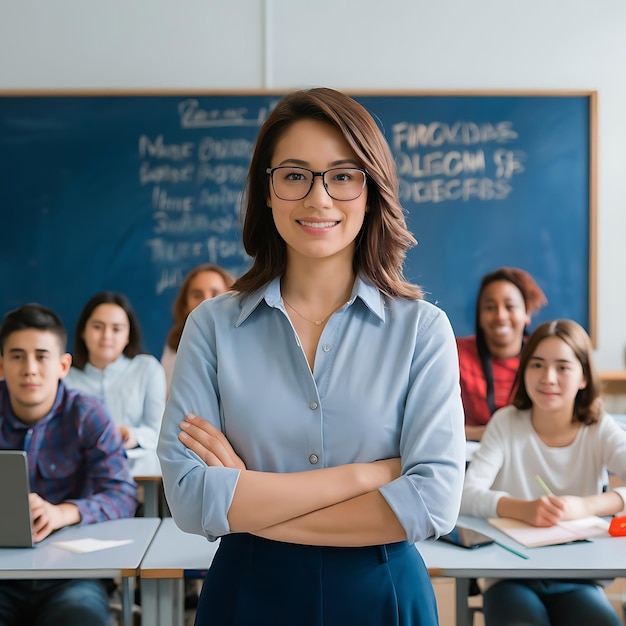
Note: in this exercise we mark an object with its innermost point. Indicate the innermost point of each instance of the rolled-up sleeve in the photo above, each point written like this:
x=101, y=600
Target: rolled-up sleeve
x=198, y=496
x=426, y=497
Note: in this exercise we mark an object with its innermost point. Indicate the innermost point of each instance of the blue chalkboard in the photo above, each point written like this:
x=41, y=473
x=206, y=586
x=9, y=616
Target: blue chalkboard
x=128, y=192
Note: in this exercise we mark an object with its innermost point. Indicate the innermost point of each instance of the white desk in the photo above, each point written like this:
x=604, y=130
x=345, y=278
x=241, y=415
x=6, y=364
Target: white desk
x=600, y=558
x=172, y=556
x=46, y=560
x=146, y=470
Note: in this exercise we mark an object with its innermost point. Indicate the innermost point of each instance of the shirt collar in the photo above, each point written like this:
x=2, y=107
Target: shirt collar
x=363, y=289
x=110, y=368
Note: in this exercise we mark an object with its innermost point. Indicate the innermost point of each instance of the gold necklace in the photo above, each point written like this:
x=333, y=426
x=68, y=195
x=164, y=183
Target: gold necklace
x=306, y=319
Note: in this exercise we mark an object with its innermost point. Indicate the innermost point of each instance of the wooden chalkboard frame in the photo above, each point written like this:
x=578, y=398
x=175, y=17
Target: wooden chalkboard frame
x=590, y=130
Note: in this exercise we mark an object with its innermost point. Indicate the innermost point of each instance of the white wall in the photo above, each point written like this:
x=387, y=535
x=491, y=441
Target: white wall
x=349, y=44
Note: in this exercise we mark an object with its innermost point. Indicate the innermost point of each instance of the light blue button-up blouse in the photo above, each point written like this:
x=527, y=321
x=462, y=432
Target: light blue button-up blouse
x=385, y=384
x=133, y=390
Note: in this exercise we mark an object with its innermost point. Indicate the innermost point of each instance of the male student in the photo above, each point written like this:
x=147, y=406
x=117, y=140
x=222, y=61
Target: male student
x=76, y=461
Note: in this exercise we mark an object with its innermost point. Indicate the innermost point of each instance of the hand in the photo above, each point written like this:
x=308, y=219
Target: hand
x=128, y=437
x=49, y=517
x=574, y=507
x=544, y=512
x=209, y=443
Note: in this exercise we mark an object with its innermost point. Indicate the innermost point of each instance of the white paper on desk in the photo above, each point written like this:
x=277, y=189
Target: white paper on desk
x=136, y=453
x=90, y=545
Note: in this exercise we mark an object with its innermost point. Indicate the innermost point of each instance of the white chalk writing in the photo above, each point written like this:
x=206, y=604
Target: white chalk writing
x=194, y=224
x=211, y=148
x=440, y=162
x=224, y=196
x=451, y=163
x=165, y=173
x=196, y=187
x=221, y=173
x=163, y=201
x=438, y=190
x=158, y=149
x=408, y=136
x=193, y=116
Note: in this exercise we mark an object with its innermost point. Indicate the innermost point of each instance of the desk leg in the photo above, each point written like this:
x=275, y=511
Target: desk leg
x=171, y=602
x=462, y=609
x=151, y=499
x=128, y=592
x=162, y=602
x=150, y=601
x=179, y=601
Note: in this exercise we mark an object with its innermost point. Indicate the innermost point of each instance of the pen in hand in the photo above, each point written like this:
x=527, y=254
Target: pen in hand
x=543, y=485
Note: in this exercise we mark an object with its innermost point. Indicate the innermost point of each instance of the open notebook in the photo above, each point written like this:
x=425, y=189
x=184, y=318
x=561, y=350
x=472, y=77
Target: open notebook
x=564, y=532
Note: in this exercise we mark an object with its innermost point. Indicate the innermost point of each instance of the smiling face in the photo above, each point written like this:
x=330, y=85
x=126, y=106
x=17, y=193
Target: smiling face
x=32, y=365
x=553, y=377
x=316, y=227
x=203, y=286
x=502, y=317
x=106, y=334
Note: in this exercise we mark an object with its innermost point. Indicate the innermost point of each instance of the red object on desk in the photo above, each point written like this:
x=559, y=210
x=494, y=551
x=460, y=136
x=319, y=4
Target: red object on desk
x=617, y=527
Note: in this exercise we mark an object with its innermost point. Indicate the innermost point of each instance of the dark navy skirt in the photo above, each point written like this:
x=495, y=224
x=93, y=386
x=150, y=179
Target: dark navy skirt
x=258, y=582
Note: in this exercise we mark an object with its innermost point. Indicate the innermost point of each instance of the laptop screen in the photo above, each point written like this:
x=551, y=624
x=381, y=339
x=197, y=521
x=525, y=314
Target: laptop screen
x=15, y=521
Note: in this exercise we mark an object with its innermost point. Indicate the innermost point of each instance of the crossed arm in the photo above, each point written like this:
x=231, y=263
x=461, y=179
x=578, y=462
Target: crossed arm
x=335, y=506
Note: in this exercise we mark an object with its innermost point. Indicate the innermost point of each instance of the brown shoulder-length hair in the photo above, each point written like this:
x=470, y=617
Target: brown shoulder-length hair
x=588, y=403
x=179, y=308
x=80, y=358
x=381, y=244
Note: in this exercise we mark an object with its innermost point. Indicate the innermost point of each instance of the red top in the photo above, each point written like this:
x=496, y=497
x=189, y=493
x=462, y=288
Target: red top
x=474, y=385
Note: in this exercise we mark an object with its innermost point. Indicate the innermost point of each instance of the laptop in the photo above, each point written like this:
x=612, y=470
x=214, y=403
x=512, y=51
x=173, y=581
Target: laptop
x=15, y=520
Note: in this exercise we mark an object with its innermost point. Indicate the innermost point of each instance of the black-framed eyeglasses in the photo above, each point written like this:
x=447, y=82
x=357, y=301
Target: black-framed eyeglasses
x=295, y=183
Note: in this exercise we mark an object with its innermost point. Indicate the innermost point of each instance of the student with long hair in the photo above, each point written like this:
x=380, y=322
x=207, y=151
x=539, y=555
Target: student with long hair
x=488, y=361
x=555, y=428
x=314, y=420
x=108, y=363
x=201, y=283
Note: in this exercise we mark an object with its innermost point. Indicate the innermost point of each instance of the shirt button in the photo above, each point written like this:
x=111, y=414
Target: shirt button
x=313, y=459
x=313, y=406
x=326, y=347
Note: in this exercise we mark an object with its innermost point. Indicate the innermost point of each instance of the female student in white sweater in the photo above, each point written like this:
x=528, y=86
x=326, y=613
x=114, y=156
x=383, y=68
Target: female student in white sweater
x=556, y=429
x=107, y=364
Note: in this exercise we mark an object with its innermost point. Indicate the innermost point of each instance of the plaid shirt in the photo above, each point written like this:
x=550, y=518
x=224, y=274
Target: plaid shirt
x=474, y=385
x=75, y=454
